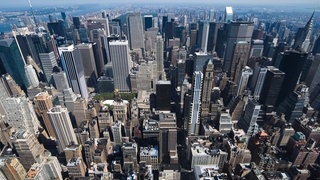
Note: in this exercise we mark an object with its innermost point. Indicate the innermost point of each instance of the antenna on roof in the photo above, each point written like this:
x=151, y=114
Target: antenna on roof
x=34, y=17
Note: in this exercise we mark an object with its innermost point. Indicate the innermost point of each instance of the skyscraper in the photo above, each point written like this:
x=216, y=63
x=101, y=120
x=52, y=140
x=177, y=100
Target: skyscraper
x=163, y=93
x=194, y=119
x=302, y=38
x=72, y=65
x=236, y=31
x=147, y=22
x=21, y=115
x=135, y=30
x=243, y=80
x=239, y=59
x=271, y=86
x=213, y=35
x=43, y=103
x=249, y=120
x=206, y=90
x=259, y=83
x=159, y=57
x=203, y=35
x=48, y=61
x=121, y=64
x=62, y=126
x=31, y=76
x=13, y=61
x=60, y=80
x=291, y=64
x=88, y=61
x=228, y=15
x=313, y=77
x=99, y=49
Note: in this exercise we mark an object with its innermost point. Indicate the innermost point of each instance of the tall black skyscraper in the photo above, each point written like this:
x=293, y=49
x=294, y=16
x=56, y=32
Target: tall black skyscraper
x=76, y=22
x=147, y=22
x=291, y=64
x=57, y=28
x=163, y=92
x=272, y=86
x=213, y=35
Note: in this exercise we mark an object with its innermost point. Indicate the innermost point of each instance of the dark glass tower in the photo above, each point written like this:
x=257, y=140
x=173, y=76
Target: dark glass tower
x=291, y=64
x=147, y=22
x=163, y=92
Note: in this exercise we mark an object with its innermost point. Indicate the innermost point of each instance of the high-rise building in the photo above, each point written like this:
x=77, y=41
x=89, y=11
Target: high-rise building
x=150, y=156
x=49, y=168
x=302, y=38
x=243, y=80
x=88, y=61
x=13, y=61
x=239, y=59
x=31, y=76
x=43, y=103
x=121, y=64
x=116, y=132
x=163, y=93
x=315, y=97
x=159, y=57
x=228, y=16
x=206, y=90
x=11, y=168
x=259, y=83
x=147, y=22
x=60, y=80
x=48, y=61
x=28, y=147
x=313, y=77
x=291, y=64
x=72, y=65
x=203, y=34
x=135, y=30
x=11, y=89
x=76, y=168
x=20, y=114
x=99, y=48
x=271, y=86
x=249, y=120
x=59, y=117
x=212, y=15
x=235, y=32
x=194, y=119
x=168, y=138
x=130, y=153
x=76, y=22
x=256, y=48
x=213, y=35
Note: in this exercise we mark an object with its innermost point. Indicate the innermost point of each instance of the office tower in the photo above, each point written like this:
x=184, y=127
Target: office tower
x=76, y=168
x=31, y=76
x=61, y=123
x=235, y=32
x=48, y=61
x=271, y=86
x=239, y=59
x=193, y=39
x=313, y=77
x=60, y=80
x=13, y=61
x=11, y=168
x=169, y=31
x=212, y=15
x=76, y=22
x=315, y=97
x=135, y=30
x=292, y=106
x=213, y=35
x=129, y=154
x=99, y=49
x=20, y=114
x=116, y=132
x=88, y=61
x=259, y=82
x=43, y=103
x=57, y=28
x=316, y=46
x=121, y=64
x=206, y=90
x=236, y=107
x=249, y=120
x=115, y=28
x=168, y=138
x=228, y=15
x=11, y=89
x=72, y=65
x=203, y=34
x=291, y=64
x=302, y=38
x=200, y=61
x=256, y=49
x=28, y=147
x=243, y=80
x=49, y=168
x=159, y=57
x=194, y=119
x=147, y=22
x=225, y=123
x=163, y=95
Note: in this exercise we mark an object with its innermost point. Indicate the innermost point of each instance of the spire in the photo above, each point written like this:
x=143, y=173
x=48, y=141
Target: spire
x=309, y=24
